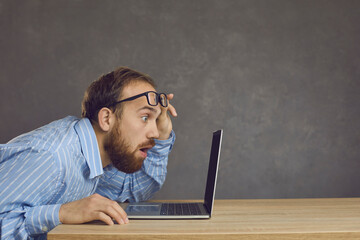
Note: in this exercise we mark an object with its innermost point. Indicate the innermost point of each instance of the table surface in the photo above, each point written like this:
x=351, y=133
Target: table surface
x=327, y=218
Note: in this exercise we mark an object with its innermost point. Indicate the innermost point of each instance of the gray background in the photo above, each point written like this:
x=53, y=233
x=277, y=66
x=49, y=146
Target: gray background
x=280, y=77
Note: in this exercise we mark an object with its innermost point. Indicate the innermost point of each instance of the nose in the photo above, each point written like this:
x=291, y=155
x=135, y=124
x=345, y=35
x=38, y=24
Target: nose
x=153, y=131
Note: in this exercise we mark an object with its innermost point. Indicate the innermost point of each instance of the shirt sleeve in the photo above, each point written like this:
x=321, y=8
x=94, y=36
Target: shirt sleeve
x=141, y=185
x=27, y=177
x=25, y=222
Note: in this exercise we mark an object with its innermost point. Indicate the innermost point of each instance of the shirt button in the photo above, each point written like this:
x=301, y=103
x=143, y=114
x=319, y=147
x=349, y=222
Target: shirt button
x=45, y=229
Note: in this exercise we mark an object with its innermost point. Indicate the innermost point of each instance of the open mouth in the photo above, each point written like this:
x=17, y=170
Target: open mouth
x=144, y=150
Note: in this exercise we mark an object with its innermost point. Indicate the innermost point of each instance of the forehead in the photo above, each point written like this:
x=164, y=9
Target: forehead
x=136, y=88
x=141, y=102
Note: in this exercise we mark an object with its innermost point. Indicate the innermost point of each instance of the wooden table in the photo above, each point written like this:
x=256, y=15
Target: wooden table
x=337, y=218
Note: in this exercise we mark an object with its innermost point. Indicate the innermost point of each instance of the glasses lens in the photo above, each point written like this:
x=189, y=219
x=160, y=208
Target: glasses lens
x=152, y=97
x=163, y=100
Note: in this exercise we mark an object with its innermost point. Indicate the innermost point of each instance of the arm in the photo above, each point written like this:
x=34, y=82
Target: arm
x=27, y=177
x=31, y=185
x=25, y=222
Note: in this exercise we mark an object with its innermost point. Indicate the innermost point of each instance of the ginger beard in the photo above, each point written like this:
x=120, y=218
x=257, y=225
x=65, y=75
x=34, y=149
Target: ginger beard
x=120, y=153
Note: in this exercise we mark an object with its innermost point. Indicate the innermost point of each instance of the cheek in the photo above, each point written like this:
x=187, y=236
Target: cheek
x=129, y=132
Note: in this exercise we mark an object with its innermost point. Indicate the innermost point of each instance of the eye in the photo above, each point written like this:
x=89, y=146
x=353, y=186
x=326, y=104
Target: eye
x=145, y=118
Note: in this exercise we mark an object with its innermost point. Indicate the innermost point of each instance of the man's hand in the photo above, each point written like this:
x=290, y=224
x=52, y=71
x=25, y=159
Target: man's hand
x=163, y=122
x=94, y=207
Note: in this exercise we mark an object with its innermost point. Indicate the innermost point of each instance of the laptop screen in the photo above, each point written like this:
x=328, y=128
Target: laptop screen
x=213, y=169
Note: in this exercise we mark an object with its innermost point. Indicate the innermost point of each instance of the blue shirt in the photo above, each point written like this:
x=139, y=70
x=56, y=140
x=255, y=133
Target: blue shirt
x=60, y=163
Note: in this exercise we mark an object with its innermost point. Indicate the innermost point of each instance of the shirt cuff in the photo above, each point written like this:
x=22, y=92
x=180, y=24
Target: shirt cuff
x=42, y=219
x=164, y=147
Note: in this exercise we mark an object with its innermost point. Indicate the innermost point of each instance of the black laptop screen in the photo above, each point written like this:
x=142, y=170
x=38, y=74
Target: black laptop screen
x=213, y=169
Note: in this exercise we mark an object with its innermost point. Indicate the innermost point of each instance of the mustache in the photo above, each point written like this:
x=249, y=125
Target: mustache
x=150, y=143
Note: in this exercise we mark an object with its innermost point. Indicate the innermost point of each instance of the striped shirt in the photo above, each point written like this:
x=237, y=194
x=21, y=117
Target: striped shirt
x=60, y=163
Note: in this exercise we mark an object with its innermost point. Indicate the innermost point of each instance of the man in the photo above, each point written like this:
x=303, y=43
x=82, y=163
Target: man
x=72, y=170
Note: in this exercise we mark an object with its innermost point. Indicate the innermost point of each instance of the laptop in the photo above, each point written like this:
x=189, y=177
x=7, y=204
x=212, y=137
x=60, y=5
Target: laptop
x=181, y=210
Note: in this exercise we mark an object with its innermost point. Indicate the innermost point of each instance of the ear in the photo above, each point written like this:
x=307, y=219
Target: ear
x=105, y=119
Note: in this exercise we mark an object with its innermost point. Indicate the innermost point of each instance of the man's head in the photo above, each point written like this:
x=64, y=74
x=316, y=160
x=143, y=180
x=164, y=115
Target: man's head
x=108, y=89
x=128, y=129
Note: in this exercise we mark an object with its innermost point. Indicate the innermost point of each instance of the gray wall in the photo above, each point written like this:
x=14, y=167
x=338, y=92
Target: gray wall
x=281, y=77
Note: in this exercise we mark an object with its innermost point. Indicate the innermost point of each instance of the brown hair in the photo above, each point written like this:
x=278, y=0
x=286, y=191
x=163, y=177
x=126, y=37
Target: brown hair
x=108, y=89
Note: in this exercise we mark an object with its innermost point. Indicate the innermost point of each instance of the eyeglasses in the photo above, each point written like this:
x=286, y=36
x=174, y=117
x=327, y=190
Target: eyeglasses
x=153, y=98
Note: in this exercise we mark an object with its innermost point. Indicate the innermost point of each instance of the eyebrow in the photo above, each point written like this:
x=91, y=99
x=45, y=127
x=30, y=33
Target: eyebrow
x=149, y=108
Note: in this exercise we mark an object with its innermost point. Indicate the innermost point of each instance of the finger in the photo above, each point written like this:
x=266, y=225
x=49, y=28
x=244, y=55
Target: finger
x=104, y=218
x=170, y=96
x=116, y=212
x=112, y=209
x=121, y=211
x=172, y=110
x=170, y=107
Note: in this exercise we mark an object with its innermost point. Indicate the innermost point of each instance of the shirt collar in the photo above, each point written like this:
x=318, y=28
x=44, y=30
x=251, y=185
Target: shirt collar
x=89, y=146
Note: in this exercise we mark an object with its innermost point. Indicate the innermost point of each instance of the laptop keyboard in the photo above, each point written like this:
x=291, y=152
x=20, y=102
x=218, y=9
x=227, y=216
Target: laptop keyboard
x=180, y=209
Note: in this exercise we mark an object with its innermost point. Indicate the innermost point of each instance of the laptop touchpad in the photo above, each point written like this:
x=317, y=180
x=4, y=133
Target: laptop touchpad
x=142, y=208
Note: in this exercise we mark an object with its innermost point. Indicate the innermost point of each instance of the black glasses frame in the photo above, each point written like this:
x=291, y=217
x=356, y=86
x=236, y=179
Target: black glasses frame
x=158, y=99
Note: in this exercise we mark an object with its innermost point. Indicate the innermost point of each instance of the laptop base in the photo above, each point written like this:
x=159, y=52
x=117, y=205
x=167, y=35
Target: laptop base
x=163, y=210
